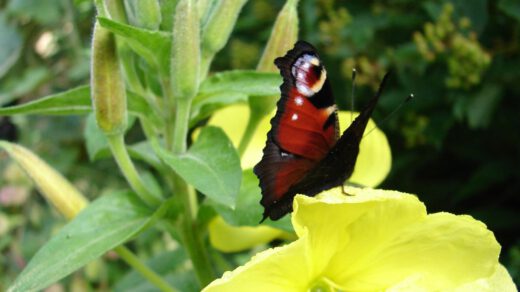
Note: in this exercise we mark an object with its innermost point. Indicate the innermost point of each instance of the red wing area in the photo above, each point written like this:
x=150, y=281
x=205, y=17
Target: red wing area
x=304, y=129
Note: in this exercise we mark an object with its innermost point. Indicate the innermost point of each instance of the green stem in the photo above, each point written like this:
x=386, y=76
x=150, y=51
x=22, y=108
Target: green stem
x=190, y=234
x=205, y=63
x=117, y=146
x=252, y=125
x=146, y=272
x=182, y=116
x=169, y=110
x=189, y=229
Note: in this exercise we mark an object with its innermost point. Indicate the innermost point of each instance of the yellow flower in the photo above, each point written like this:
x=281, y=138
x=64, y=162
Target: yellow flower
x=373, y=148
x=373, y=241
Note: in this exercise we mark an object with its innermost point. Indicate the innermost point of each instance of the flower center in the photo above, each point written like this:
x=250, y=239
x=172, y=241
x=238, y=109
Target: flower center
x=321, y=285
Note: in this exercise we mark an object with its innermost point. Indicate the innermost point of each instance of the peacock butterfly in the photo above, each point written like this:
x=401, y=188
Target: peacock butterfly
x=304, y=153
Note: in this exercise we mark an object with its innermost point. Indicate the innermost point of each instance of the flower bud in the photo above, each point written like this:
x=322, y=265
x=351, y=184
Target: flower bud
x=108, y=90
x=52, y=185
x=185, y=62
x=144, y=13
x=219, y=26
x=283, y=36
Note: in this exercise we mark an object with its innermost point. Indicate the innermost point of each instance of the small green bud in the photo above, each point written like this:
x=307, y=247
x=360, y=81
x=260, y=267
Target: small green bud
x=185, y=62
x=108, y=90
x=283, y=36
x=144, y=13
x=218, y=28
x=52, y=185
x=220, y=24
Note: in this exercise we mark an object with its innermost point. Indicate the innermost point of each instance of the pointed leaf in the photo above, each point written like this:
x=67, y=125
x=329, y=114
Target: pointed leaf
x=211, y=165
x=153, y=46
x=76, y=101
x=243, y=81
x=103, y=225
x=206, y=104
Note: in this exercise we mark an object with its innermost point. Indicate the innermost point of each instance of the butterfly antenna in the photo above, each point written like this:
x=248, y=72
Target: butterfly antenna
x=354, y=73
x=407, y=99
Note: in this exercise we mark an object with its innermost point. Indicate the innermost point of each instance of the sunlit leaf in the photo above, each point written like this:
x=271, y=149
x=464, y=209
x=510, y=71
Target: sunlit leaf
x=211, y=165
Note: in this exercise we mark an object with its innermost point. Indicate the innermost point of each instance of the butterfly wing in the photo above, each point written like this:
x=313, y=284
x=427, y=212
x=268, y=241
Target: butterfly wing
x=304, y=128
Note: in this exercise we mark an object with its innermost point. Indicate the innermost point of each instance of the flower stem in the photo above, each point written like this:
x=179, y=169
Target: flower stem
x=145, y=271
x=117, y=146
x=190, y=234
x=182, y=115
x=189, y=229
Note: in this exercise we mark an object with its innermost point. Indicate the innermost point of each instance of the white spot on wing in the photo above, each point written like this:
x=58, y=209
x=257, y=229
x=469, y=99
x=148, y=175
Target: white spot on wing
x=298, y=100
x=294, y=117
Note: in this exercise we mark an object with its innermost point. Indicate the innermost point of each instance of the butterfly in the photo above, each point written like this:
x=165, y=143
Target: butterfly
x=304, y=152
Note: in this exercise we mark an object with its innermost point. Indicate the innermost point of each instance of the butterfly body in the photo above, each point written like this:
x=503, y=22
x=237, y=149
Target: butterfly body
x=304, y=153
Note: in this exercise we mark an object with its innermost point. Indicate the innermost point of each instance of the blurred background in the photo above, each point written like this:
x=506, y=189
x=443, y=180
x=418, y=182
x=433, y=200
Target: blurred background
x=456, y=145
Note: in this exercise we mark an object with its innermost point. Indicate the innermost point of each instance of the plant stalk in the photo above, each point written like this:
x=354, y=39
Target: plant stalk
x=117, y=146
x=145, y=271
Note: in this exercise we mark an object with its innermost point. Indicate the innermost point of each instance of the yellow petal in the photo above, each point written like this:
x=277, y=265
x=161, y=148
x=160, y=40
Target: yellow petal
x=233, y=121
x=229, y=238
x=499, y=281
x=443, y=250
x=382, y=238
x=276, y=269
x=375, y=158
x=351, y=226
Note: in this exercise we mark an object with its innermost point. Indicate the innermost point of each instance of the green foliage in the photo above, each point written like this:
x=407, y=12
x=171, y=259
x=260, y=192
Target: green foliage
x=211, y=165
x=105, y=224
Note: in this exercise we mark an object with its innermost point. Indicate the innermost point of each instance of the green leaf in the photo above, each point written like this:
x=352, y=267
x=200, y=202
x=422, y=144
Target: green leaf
x=211, y=165
x=22, y=84
x=11, y=45
x=205, y=105
x=248, y=211
x=46, y=13
x=511, y=8
x=242, y=81
x=74, y=101
x=77, y=101
x=153, y=46
x=481, y=107
x=103, y=225
x=95, y=141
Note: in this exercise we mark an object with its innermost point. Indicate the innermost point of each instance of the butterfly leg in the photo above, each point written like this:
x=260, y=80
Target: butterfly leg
x=344, y=191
